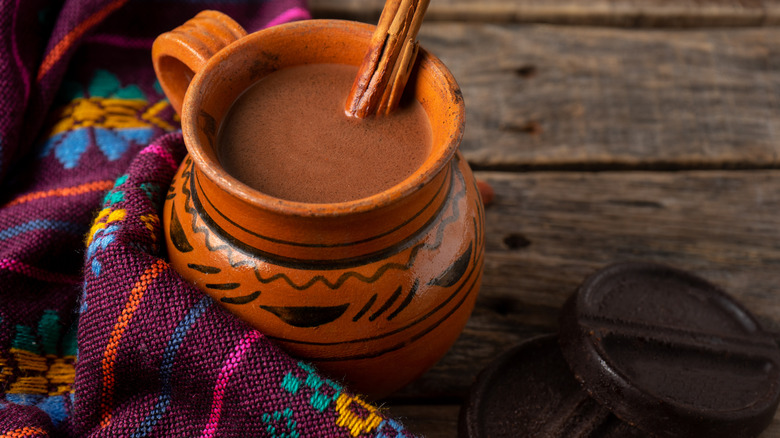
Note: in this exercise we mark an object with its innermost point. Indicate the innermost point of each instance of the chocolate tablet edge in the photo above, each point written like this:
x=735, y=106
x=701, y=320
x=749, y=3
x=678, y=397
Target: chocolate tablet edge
x=629, y=403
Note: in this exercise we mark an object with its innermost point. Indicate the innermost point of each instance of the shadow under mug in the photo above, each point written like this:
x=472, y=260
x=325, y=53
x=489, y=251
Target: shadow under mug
x=372, y=291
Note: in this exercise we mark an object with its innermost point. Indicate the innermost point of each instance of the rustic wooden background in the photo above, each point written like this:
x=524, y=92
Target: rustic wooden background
x=611, y=130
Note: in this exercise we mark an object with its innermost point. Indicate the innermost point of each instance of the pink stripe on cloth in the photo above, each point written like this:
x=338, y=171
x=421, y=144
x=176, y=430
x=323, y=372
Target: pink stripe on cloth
x=163, y=153
x=37, y=273
x=291, y=14
x=222, y=381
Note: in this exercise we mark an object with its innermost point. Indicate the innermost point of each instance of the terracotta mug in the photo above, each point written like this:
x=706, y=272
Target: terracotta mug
x=372, y=291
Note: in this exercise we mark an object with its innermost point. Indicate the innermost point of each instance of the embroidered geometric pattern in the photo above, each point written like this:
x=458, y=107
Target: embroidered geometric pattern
x=38, y=368
x=280, y=424
x=108, y=115
x=98, y=335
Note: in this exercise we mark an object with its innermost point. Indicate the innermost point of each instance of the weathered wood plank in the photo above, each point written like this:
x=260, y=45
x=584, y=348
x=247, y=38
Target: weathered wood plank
x=633, y=13
x=542, y=96
x=548, y=230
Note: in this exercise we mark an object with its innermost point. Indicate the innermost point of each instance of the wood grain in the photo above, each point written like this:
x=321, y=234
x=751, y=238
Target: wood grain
x=547, y=231
x=567, y=97
x=625, y=13
x=611, y=130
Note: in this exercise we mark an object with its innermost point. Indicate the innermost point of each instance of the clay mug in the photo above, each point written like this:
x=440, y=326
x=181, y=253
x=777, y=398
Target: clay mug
x=373, y=291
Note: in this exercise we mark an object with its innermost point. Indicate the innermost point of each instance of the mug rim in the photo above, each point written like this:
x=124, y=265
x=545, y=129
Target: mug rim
x=242, y=191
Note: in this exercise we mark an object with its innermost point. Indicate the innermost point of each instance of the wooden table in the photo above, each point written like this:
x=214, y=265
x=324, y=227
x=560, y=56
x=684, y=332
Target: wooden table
x=611, y=130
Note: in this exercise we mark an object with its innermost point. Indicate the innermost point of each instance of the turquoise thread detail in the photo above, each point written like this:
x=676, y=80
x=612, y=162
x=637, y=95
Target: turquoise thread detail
x=25, y=339
x=114, y=197
x=291, y=383
x=70, y=345
x=314, y=381
x=319, y=400
x=307, y=367
x=50, y=330
x=105, y=84
x=151, y=190
x=286, y=418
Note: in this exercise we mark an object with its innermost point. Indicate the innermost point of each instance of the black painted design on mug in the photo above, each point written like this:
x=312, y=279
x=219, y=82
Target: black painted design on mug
x=307, y=316
x=387, y=304
x=468, y=289
x=204, y=269
x=223, y=286
x=246, y=299
x=171, y=191
x=178, y=238
x=455, y=271
x=452, y=202
x=406, y=301
x=365, y=308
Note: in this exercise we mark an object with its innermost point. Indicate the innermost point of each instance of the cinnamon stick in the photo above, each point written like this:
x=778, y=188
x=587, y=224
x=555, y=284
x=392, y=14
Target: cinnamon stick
x=389, y=59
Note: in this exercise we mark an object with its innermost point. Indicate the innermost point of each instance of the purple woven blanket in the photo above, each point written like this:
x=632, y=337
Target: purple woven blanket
x=98, y=335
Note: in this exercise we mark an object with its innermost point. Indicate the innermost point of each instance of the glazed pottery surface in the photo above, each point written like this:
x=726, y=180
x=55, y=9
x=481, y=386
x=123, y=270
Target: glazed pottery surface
x=372, y=291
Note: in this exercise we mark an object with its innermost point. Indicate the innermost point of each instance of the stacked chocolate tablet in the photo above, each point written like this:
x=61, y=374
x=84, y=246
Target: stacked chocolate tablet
x=643, y=351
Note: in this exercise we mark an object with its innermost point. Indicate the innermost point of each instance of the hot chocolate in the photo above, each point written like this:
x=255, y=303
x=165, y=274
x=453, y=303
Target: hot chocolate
x=289, y=137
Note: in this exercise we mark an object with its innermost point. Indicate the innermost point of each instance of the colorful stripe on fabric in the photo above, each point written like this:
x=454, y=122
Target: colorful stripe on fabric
x=222, y=381
x=110, y=353
x=80, y=189
x=24, y=432
x=291, y=14
x=166, y=368
x=41, y=224
x=74, y=35
x=162, y=153
x=37, y=273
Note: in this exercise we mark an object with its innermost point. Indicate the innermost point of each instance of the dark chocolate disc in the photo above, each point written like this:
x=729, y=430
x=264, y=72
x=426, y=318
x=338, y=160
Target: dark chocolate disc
x=530, y=392
x=671, y=353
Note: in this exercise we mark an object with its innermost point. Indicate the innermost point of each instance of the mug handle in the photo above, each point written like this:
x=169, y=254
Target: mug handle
x=179, y=54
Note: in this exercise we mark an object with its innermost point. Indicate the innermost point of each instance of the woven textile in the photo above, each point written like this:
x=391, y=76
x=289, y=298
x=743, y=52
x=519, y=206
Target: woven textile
x=98, y=335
